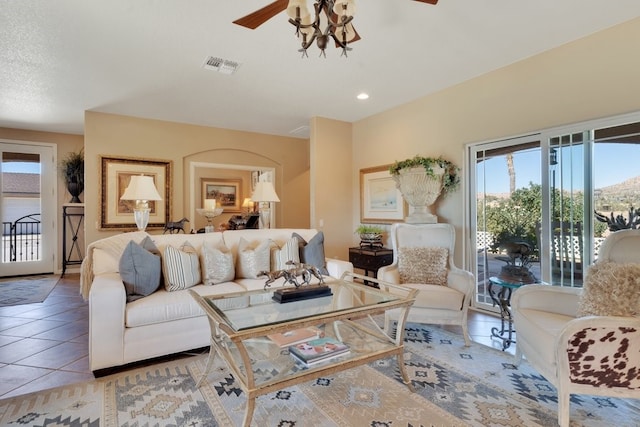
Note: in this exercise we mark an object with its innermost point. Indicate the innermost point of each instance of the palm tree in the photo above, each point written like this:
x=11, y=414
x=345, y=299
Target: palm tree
x=512, y=173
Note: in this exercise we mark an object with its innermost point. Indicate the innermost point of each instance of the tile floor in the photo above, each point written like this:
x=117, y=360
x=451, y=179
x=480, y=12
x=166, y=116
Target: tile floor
x=45, y=345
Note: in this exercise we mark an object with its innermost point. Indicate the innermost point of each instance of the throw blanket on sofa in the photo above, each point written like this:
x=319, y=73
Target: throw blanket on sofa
x=114, y=246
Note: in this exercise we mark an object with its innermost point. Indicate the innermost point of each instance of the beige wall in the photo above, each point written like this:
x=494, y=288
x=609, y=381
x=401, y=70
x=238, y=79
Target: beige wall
x=65, y=143
x=594, y=77
x=122, y=136
x=331, y=184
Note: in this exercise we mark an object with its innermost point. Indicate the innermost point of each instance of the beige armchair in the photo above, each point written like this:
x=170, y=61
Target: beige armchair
x=592, y=354
x=423, y=260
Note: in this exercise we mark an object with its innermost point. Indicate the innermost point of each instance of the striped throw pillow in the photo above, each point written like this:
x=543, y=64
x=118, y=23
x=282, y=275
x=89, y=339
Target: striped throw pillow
x=181, y=267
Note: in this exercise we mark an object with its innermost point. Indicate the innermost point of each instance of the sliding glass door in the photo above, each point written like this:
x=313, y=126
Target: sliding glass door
x=506, y=206
x=27, y=208
x=559, y=192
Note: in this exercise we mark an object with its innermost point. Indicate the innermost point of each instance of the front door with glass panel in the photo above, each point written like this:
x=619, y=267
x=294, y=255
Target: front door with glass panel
x=27, y=208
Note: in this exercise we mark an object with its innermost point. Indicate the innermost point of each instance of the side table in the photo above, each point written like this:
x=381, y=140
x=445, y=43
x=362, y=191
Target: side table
x=370, y=259
x=502, y=299
x=72, y=216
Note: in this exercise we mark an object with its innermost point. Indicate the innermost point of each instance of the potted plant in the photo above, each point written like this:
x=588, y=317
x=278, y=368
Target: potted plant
x=421, y=180
x=72, y=171
x=370, y=234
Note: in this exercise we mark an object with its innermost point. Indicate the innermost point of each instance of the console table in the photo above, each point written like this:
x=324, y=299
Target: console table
x=370, y=258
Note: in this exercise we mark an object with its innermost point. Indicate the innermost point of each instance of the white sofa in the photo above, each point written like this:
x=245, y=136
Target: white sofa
x=162, y=323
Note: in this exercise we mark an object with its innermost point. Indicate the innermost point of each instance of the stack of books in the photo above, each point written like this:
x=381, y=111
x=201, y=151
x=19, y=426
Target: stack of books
x=296, y=336
x=318, y=350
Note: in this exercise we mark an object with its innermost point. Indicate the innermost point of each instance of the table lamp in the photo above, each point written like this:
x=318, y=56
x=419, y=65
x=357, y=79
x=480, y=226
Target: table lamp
x=248, y=204
x=264, y=194
x=141, y=189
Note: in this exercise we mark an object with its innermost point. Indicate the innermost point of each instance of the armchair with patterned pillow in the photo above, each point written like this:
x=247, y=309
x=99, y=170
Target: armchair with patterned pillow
x=423, y=260
x=586, y=341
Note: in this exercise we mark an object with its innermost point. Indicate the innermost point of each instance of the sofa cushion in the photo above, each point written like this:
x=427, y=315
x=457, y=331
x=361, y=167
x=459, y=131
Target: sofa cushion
x=163, y=306
x=140, y=269
x=181, y=267
x=217, y=264
x=423, y=265
x=312, y=252
x=611, y=289
x=280, y=255
x=253, y=258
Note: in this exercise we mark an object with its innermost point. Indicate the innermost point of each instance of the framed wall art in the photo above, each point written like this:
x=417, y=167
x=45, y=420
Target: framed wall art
x=380, y=200
x=226, y=192
x=115, y=175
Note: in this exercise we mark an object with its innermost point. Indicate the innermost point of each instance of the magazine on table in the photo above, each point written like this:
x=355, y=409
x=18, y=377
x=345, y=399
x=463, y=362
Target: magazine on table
x=318, y=350
x=296, y=336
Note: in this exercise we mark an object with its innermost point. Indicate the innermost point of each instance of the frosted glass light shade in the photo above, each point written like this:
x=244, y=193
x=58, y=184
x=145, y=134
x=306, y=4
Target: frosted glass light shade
x=344, y=7
x=293, y=4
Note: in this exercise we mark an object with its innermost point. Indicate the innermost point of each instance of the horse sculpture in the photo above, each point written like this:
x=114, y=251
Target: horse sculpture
x=176, y=226
x=307, y=271
x=291, y=275
x=272, y=276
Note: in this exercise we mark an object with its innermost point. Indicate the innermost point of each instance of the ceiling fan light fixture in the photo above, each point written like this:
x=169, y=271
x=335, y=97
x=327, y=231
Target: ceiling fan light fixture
x=331, y=20
x=344, y=7
x=297, y=8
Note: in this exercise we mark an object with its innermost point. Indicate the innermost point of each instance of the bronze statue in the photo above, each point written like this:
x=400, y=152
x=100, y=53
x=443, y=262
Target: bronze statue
x=176, y=226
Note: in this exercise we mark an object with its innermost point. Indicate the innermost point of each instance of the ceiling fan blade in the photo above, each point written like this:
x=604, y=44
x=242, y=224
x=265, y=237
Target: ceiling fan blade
x=260, y=16
x=428, y=1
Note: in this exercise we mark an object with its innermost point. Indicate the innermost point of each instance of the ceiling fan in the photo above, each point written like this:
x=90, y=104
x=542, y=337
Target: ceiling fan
x=339, y=28
x=260, y=16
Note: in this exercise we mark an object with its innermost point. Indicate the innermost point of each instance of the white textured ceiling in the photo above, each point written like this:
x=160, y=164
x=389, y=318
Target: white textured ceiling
x=144, y=58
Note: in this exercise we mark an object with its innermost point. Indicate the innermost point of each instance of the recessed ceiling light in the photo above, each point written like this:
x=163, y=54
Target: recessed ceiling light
x=362, y=96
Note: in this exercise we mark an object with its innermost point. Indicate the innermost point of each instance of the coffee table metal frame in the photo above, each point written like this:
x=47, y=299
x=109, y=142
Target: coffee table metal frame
x=234, y=345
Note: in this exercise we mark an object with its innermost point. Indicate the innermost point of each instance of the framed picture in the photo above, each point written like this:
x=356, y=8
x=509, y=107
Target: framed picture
x=115, y=175
x=227, y=192
x=380, y=200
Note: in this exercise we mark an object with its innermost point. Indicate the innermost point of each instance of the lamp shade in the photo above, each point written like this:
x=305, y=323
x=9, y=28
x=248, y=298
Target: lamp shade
x=295, y=4
x=141, y=188
x=264, y=192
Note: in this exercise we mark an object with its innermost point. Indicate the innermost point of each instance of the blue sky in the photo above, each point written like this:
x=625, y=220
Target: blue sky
x=21, y=167
x=613, y=163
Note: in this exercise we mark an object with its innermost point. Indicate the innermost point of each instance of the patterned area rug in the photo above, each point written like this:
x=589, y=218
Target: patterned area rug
x=455, y=386
x=26, y=291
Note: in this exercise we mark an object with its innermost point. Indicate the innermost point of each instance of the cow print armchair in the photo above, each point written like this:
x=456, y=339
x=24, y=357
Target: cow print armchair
x=586, y=341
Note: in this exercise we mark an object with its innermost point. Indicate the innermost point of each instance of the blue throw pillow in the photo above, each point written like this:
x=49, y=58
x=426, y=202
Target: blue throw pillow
x=312, y=252
x=140, y=269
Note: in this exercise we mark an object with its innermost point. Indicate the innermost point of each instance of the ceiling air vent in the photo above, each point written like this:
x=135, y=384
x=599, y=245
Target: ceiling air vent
x=223, y=66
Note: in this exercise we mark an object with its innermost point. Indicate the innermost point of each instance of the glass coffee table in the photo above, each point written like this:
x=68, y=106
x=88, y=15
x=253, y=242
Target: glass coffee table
x=241, y=322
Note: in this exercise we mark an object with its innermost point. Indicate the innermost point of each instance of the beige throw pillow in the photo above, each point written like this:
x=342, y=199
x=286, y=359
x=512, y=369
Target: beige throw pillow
x=423, y=265
x=252, y=258
x=611, y=289
x=217, y=264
